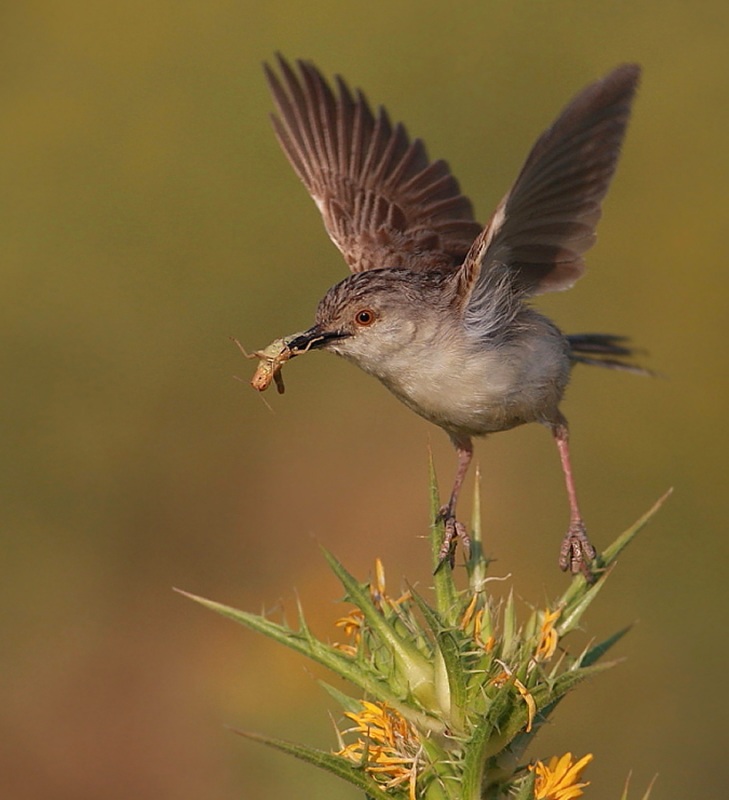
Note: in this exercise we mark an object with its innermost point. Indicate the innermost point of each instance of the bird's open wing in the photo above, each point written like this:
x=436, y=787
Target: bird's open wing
x=540, y=231
x=383, y=203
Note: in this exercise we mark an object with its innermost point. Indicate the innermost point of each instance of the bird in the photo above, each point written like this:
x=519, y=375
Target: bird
x=437, y=306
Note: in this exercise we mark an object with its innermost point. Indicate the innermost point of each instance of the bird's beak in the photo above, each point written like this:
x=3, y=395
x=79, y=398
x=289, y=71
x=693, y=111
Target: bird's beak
x=313, y=339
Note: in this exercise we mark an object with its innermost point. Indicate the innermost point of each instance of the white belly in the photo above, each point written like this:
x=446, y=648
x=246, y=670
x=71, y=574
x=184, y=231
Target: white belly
x=488, y=391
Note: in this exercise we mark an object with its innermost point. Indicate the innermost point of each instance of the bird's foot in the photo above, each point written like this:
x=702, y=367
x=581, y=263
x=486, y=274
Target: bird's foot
x=576, y=552
x=454, y=530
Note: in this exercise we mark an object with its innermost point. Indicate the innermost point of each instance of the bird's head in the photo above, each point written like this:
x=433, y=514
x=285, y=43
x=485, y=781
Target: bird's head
x=371, y=317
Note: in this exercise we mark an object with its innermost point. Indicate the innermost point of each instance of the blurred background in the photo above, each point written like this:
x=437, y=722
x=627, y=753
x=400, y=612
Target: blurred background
x=148, y=215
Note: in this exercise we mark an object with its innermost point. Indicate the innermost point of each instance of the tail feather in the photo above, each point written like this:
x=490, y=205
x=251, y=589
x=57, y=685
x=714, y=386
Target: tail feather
x=604, y=350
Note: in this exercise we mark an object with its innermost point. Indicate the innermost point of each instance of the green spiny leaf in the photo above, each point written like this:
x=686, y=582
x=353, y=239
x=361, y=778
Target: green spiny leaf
x=612, y=551
x=568, y=680
x=529, y=631
x=509, y=637
x=442, y=785
x=526, y=790
x=413, y=666
x=545, y=697
x=596, y=652
x=449, y=648
x=317, y=651
x=481, y=744
x=548, y=697
x=347, y=702
x=574, y=609
x=337, y=765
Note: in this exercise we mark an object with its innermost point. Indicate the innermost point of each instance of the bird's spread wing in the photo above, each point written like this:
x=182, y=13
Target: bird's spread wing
x=383, y=203
x=540, y=231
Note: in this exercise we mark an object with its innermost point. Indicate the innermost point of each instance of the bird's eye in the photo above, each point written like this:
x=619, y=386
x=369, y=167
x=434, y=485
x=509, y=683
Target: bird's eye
x=365, y=317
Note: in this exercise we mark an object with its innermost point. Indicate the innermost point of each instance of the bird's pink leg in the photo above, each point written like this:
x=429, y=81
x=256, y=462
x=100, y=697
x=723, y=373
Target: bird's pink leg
x=455, y=530
x=576, y=552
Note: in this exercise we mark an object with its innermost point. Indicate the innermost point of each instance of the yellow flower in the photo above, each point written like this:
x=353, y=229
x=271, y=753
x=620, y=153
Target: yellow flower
x=548, y=636
x=388, y=749
x=558, y=780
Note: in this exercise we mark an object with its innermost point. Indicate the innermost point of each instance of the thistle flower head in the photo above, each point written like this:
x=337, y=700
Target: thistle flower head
x=454, y=689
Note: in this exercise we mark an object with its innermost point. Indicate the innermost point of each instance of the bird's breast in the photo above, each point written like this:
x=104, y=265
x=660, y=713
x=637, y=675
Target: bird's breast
x=478, y=390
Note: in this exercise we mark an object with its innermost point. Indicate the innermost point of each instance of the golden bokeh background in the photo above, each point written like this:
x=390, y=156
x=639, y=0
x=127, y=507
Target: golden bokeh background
x=148, y=214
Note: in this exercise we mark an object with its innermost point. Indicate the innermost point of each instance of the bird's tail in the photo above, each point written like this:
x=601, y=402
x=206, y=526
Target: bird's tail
x=604, y=350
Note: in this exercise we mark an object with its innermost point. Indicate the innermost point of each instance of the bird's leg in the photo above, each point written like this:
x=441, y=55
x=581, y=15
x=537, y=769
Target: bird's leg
x=454, y=530
x=576, y=552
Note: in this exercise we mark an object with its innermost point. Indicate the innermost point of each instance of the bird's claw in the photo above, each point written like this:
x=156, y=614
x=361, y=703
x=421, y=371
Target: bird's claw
x=453, y=531
x=577, y=552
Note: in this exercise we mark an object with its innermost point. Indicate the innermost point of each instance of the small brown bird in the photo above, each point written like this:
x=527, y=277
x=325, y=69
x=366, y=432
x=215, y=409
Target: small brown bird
x=437, y=307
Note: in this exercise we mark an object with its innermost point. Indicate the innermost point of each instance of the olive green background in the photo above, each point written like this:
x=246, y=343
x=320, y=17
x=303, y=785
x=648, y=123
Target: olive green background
x=148, y=215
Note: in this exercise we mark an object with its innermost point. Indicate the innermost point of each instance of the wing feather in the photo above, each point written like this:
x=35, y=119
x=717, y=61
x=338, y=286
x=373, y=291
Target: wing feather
x=384, y=204
x=536, y=238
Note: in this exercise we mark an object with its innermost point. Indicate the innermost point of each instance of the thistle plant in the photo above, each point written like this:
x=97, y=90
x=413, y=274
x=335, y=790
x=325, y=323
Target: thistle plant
x=451, y=690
